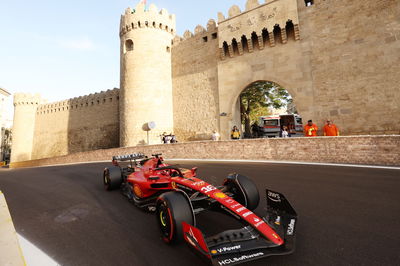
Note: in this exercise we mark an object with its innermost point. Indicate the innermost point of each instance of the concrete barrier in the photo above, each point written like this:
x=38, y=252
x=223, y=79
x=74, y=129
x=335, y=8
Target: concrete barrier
x=369, y=150
x=10, y=250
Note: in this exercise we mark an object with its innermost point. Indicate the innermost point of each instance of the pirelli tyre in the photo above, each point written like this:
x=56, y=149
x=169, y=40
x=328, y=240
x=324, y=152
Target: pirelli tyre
x=173, y=208
x=244, y=190
x=112, y=178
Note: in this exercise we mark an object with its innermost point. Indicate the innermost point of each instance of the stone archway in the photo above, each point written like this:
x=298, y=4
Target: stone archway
x=234, y=79
x=261, y=98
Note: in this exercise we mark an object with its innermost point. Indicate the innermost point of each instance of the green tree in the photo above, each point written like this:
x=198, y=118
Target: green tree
x=257, y=97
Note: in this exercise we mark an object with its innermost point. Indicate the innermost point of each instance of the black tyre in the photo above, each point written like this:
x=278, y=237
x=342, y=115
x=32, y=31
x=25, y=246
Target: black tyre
x=112, y=178
x=244, y=190
x=173, y=208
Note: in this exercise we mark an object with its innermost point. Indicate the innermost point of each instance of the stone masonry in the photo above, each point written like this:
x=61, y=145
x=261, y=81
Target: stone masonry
x=338, y=59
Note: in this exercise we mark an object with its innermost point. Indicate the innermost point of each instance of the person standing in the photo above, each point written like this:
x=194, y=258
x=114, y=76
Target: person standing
x=310, y=130
x=235, y=133
x=215, y=136
x=330, y=129
x=285, y=133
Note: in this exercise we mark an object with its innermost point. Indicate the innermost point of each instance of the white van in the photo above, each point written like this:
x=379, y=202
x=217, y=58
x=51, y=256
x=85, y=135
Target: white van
x=271, y=126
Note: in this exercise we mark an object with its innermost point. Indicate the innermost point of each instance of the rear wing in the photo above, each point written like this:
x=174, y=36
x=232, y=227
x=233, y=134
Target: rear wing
x=129, y=157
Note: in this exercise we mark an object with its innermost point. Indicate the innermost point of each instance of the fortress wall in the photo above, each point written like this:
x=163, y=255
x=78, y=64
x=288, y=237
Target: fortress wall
x=355, y=61
x=79, y=124
x=195, y=84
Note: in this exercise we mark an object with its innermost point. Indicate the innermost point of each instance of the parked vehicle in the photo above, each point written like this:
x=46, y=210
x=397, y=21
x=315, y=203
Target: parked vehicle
x=271, y=126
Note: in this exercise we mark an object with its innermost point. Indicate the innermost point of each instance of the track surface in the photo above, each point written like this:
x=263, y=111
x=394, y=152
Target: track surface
x=347, y=216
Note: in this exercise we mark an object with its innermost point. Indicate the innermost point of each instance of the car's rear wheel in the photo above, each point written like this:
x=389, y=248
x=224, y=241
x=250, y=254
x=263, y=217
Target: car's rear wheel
x=112, y=178
x=173, y=208
x=244, y=190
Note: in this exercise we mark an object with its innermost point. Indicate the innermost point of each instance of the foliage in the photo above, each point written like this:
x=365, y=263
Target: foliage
x=257, y=98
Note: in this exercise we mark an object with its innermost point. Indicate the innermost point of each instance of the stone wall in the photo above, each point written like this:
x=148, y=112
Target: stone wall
x=340, y=62
x=195, y=83
x=79, y=124
x=372, y=150
x=355, y=63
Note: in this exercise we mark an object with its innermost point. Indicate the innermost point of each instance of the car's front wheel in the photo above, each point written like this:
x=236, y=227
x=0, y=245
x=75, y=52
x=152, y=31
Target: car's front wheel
x=244, y=190
x=173, y=208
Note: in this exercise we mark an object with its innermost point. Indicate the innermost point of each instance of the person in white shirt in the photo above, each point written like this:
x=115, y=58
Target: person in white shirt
x=285, y=133
x=215, y=136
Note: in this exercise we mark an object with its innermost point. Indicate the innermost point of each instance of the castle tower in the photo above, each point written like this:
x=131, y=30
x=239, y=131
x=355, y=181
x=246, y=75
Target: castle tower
x=146, y=78
x=25, y=106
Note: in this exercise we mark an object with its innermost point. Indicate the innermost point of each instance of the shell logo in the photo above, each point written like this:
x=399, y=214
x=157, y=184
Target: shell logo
x=220, y=195
x=138, y=192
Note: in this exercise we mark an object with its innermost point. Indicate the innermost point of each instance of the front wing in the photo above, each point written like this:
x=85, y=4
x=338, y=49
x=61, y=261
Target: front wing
x=246, y=244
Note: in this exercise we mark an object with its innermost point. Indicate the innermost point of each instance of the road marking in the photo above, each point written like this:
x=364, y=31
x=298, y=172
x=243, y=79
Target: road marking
x=33, y=255
x=289, y=162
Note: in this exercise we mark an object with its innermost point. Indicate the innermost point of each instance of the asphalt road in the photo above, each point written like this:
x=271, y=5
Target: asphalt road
x=347, y=216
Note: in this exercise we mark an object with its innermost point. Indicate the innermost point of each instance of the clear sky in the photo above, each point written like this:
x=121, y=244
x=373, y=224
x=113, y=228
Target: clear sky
x=64, y=49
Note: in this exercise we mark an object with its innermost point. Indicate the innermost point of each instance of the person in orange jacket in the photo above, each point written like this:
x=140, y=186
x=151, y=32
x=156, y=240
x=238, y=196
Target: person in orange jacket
x=310, y=130
x=330, y=129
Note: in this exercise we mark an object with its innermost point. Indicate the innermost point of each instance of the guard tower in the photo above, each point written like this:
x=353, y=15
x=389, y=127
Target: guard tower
x=146, y=79
x=25, y=107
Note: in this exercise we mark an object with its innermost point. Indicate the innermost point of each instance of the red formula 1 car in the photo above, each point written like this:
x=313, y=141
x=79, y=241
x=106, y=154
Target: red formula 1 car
x=177, y=196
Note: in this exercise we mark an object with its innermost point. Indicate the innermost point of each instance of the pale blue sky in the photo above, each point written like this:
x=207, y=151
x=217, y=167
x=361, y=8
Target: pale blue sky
x=64, y=49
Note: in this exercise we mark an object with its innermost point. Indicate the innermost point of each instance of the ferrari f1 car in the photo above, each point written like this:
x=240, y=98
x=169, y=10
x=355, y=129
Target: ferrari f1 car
x=176, y=196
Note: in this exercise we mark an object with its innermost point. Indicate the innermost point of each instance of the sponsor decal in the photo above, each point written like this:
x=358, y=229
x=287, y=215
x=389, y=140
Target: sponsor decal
x=239, y=259
x=229, y=201
x=256, y=219
x=247, y=213
x=173, y=184
x=241, y=209
x=225, y=249
x=235, y=205
x=214, y=251
x=199, y=183
x=258, y=224
x=151, y=209
x=274, y=196
x=231, y=212
x=220, y=195
x=208, y=188
x=290, y=229
x=277, y=237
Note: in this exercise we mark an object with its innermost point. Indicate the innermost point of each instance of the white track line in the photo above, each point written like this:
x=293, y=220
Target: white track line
x=33, y=255
x=289, y=162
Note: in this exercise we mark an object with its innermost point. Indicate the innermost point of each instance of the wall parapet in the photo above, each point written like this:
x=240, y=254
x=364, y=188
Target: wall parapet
x=94, y=99
x=27, y=98
x=366, y=150
x=259, y=25
x=140, y=17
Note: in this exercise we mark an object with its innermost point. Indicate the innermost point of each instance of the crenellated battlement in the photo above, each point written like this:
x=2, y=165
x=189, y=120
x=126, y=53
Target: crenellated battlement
x=260, y=25
x=76, y=103
x=140, y=17
x=207, y=33
x=27, y=98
